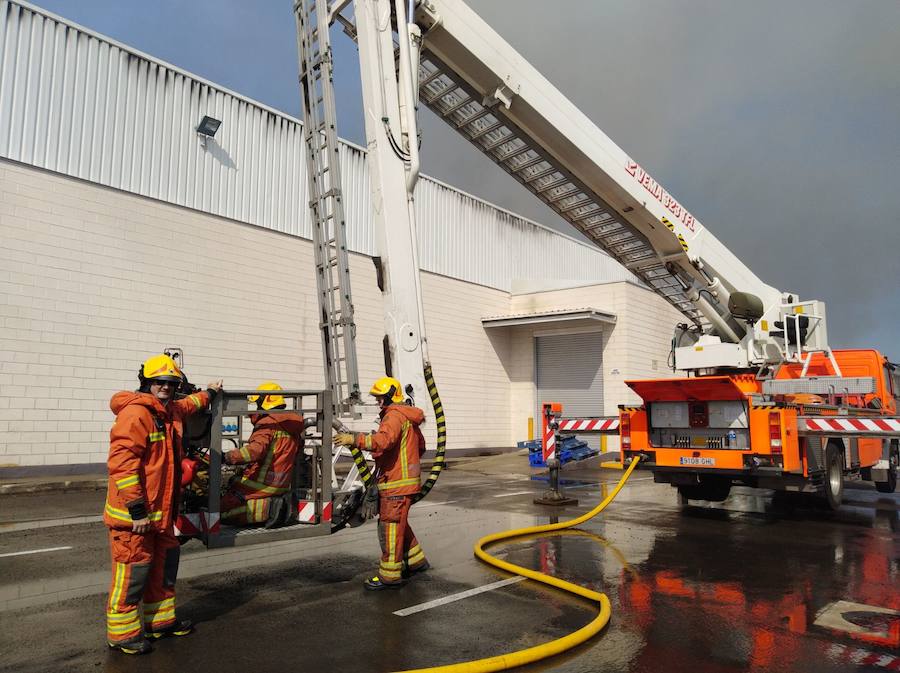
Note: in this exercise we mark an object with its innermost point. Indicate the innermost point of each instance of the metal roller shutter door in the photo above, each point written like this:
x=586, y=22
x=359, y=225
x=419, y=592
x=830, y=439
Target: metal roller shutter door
x=569, y=370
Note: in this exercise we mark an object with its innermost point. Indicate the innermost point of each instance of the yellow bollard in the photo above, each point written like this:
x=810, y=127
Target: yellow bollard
x=611, y=464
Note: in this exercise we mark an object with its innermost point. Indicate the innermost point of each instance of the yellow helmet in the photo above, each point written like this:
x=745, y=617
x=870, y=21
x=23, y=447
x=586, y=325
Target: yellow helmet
x=161, y=368
x=269, y=401
x=387, y=385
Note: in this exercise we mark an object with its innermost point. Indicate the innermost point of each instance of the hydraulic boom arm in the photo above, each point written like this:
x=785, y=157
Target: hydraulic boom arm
x=477, y=83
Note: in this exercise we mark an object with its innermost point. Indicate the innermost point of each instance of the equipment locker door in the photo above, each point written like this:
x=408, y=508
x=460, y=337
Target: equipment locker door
x=569, y=369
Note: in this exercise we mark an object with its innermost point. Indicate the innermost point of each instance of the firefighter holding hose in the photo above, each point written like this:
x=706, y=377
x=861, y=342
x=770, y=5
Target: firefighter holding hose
x=397, y=447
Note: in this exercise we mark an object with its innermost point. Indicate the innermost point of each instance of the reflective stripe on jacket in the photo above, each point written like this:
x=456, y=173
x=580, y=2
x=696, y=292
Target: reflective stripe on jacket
x=145, y=456
x=271, y=451
x=397, y=447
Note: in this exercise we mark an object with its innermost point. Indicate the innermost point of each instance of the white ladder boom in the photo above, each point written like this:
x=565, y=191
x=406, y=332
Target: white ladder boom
x=325, y=203
x=478, y=84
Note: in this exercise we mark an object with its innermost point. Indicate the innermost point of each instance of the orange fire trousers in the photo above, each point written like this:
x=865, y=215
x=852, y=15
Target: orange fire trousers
x=399, y=546
x=238, y=511
x=144, y=568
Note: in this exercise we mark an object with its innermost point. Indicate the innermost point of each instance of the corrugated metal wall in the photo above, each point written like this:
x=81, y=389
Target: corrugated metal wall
x=74, y=102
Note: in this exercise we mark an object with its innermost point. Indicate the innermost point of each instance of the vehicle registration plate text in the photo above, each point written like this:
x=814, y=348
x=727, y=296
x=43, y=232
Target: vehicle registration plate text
x=691, y=460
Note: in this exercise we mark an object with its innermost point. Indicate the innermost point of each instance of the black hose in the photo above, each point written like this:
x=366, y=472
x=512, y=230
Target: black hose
x=365, y=474
x=438, y=463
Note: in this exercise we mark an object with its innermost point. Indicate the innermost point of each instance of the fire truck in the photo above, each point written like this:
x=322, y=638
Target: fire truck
x=764, y=399
x=802, y=428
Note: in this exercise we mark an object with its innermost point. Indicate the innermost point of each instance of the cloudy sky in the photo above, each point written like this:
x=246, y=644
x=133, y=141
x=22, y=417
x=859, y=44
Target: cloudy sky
x=776, y=123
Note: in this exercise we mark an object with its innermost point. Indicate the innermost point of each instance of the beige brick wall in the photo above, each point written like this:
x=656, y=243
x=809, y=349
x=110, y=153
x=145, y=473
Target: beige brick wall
x=93, y=280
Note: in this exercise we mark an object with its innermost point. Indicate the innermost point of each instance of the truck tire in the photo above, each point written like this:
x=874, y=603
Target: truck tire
x=890, y=485
x=833, y=482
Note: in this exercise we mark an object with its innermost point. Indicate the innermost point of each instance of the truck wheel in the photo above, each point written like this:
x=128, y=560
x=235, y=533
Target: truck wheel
x=833, y=485
x=890, y=485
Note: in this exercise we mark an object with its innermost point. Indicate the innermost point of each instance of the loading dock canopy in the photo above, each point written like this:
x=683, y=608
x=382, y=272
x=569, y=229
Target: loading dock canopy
x=568, y=315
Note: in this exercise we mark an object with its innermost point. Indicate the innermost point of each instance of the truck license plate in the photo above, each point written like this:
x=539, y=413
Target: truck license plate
x=690, y=460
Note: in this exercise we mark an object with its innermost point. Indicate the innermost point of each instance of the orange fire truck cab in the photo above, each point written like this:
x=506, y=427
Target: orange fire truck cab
x=703, y=434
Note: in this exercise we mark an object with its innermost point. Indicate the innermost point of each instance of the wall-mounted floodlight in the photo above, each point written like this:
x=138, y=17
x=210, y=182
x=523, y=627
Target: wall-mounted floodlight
x=208, y=126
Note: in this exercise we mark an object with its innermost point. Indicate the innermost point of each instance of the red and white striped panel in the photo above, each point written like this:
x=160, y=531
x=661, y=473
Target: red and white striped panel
x=589, y=424
x=549, y=443
x=210, y=525
x=886, y=427
x=187, y=524
x=306, y=511
x=194, y=523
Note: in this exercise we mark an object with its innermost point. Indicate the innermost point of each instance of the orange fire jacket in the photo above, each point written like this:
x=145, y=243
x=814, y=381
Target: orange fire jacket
x=397, y=448
x=271, y=450
x=145, y=457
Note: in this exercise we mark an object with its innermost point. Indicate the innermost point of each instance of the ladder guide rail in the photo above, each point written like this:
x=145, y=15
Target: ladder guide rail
x=498, y=137
x=336, y=314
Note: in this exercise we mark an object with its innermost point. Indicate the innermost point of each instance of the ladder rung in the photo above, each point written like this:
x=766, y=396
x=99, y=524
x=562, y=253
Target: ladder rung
x=528, y=163
x=430, y=100
x=428, y=80
x=502, y=140
x=587, y=215
x=483, y=112
x=553, y=184
x=584, y=203
x=563, y=195
x=453, y=108
x=513, y=153
x=550, y=170
x=487, y=129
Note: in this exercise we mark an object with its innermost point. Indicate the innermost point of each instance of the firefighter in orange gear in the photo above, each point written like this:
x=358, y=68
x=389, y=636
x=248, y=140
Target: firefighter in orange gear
x=271, y=452
x=142, y=503
x=397, y=448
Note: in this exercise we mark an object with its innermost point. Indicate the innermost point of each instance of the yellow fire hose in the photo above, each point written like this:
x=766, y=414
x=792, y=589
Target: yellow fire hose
x=532, y=654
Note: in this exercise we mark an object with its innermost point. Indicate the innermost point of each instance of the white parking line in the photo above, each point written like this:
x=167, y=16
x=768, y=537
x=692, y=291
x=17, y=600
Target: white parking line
x=509, y=495
x=405, y=612
x=34, y=551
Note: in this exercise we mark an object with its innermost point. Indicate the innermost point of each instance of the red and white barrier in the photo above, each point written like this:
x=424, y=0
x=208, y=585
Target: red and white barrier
x=610, y=425
x=550, y=411
x=552, y=424
x=306, y=511
x=849, y=425
x=197, y=523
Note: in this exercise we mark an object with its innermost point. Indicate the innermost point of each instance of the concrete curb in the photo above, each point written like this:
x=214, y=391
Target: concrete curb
x=98, y=482
x=57, y=485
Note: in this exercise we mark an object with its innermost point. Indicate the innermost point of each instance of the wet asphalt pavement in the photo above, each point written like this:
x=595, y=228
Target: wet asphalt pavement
x=755, y=584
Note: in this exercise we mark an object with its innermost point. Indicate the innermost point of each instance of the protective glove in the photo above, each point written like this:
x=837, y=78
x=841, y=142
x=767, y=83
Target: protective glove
x=369, y=507
x=344, y=439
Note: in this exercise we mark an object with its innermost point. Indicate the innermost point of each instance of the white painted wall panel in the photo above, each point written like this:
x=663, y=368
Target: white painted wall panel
x=77, y=103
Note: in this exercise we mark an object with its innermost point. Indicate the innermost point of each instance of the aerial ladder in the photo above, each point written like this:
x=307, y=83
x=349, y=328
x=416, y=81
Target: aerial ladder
x=766, y=402
x=392, y=144
x=761, y=373
x=325, y=498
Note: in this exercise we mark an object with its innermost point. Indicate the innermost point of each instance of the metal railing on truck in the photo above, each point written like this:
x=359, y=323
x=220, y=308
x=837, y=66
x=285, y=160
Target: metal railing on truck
x=311, y=509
